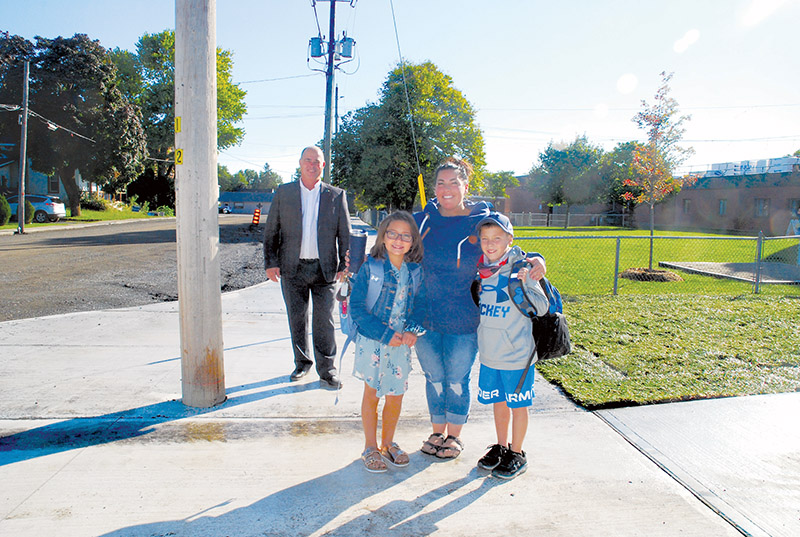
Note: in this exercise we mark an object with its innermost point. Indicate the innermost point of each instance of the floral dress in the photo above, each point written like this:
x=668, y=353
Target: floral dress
x=382, y=367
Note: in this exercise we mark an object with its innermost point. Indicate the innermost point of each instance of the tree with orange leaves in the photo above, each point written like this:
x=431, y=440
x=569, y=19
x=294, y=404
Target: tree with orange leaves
x=654, y=161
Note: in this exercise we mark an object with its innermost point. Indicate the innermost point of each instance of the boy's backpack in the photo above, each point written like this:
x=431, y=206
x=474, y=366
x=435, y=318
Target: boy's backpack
x=346, y=322
x=550, y=331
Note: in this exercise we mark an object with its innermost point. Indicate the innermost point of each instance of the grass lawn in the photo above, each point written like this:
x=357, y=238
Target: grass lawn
x=667, y=341
x=87, y=216
x=639, y=349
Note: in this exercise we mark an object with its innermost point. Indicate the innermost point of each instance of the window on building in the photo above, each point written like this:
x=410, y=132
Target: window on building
x=723, y=207
x=52, y=185
x=761, y=207
x=238, y=205
x=687, y=205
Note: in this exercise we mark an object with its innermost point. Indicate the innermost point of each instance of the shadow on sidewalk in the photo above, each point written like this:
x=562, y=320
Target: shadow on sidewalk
x=82, y=432
x=308, y=507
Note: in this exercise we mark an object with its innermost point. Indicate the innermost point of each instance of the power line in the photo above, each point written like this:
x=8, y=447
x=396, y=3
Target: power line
x=316, y=18
x=286, y=106
x=52, y=125
x=408, y=101
x=690, y=108
x=276, y=79
x=287, y=116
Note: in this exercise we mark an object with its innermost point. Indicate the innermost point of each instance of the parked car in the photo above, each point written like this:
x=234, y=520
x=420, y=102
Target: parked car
x=45, y=207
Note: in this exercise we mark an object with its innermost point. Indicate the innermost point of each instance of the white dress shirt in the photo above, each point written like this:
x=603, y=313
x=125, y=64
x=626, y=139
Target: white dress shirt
x=310, y=203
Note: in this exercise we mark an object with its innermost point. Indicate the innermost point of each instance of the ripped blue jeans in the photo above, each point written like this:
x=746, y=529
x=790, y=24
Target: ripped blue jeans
x=447, y=360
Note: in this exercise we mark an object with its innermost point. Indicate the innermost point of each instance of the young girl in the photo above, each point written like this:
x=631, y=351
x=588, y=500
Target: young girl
x=385, y=335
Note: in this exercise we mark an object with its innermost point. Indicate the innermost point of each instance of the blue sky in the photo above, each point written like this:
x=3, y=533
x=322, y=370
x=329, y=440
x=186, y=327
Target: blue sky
x=535, y=71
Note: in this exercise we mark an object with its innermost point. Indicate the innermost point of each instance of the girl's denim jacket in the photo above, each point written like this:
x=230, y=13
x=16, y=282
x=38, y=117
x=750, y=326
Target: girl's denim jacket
x=375, y=324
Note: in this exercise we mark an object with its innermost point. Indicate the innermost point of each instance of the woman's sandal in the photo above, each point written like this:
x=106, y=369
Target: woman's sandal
x=433, y=444
x=394, y=455
x=451, y=448
x=373, y=461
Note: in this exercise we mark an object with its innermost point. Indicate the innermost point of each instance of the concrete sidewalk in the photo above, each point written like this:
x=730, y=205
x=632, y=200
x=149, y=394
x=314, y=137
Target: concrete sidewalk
x=94, y=441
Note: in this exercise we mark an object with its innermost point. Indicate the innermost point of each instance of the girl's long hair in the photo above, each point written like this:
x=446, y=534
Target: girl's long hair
x=414, y=254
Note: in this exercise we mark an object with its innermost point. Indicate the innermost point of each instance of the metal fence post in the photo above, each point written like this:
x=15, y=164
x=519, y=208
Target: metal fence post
x=759, y=245
x=616, y=269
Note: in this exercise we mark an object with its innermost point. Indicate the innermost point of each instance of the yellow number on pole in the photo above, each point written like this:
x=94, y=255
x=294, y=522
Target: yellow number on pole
x=179, y=156
x=178, y=124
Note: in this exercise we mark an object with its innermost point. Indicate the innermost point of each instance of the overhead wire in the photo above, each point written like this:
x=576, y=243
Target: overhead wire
x=276, y=79
x=50, y=123
x=316, y=18
x=420, y=181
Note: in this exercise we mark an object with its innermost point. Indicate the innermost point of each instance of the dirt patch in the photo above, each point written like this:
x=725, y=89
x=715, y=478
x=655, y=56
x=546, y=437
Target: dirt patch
x=650, y=275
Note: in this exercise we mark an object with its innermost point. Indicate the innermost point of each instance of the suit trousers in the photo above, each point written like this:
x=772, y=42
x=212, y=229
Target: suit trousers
x=309, y=280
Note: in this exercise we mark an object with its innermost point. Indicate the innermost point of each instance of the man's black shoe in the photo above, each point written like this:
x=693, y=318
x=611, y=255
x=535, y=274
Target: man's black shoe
x=298, y=373
x=332, y=381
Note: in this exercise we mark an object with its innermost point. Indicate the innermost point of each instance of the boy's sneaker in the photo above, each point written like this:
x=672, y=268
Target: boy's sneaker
x=492, y=457
x=511, y=466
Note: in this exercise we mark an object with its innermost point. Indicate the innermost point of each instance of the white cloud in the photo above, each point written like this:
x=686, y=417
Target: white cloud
x=759, y=10
x=627, y=83
x=689, y=38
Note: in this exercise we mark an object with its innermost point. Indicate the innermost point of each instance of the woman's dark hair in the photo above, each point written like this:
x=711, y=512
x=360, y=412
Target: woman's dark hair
x=462, y=168
x=414, y=254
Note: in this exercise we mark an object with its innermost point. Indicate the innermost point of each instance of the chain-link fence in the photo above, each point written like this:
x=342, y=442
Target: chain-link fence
x=567, y=220
x=711, y=265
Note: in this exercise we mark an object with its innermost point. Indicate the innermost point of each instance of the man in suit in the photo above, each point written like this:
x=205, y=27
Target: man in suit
x=305, y=240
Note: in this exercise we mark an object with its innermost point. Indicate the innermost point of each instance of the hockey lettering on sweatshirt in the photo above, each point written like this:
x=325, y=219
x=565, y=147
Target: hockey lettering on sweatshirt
x=504, y=335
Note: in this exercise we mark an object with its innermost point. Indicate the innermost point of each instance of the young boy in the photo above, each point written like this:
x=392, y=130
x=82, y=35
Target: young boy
x=505, y=343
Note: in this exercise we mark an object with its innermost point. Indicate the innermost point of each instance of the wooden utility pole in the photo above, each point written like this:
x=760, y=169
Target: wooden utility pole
x=196, y=195
x=23, y=150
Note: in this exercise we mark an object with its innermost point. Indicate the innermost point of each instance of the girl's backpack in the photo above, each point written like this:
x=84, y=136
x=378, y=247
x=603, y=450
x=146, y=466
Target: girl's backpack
x=375, y=267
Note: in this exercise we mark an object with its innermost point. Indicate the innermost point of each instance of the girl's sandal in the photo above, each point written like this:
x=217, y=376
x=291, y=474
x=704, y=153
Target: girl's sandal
x=394, y=455
x=373, y=461
x=433, y=444
x=451, y=448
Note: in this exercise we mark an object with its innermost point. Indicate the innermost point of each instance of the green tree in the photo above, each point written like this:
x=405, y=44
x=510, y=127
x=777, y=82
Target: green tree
x=5, y=211
x=79, y=118
x=568, y=174
x=150, y=81
x=267, y=179
x=373, y=152
x=495, y=184
x=246, y=178
x=615, y=168
x=655, y=161
x=225, y=180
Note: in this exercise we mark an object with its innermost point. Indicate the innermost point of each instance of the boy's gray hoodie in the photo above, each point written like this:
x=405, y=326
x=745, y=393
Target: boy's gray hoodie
x=504, y=335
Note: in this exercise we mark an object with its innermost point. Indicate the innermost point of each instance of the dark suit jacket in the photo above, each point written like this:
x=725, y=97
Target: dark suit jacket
x=284, y=230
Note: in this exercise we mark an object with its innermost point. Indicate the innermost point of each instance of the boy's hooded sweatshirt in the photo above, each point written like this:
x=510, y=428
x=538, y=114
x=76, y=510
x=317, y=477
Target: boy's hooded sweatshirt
x=505, y=340
x=448, y=264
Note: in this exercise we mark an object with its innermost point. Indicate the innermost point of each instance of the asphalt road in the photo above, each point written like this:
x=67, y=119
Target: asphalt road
x=71, y=268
